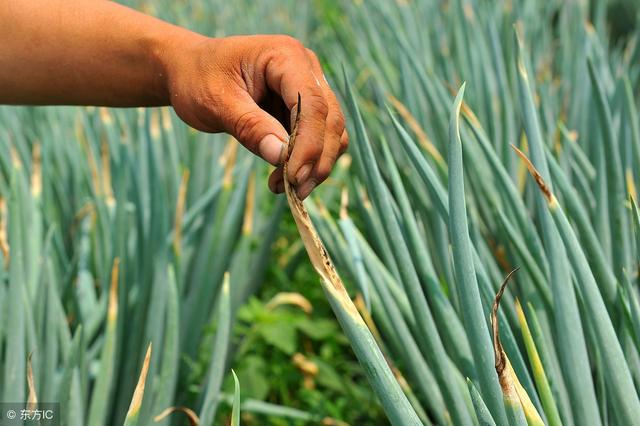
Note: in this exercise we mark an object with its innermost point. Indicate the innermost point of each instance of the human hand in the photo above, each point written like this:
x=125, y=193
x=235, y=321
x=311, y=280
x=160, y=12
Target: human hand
x=248, y=86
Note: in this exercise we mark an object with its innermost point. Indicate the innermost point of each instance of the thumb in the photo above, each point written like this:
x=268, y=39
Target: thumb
x=257, y=130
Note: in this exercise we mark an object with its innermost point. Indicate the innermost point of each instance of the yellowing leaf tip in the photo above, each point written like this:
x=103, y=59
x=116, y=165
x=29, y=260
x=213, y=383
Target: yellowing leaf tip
x=546, y=191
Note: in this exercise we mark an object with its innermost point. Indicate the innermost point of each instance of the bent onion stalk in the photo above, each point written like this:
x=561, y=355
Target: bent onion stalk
x=394, y=401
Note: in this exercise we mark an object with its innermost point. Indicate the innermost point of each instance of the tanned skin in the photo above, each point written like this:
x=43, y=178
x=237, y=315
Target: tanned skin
x=97, y=52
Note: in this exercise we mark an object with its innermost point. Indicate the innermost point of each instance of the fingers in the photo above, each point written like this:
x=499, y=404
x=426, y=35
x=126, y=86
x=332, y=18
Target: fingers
x=334, y=130
x=321, y=136
x=254, y=128
x=276, y=179
x=289, y=72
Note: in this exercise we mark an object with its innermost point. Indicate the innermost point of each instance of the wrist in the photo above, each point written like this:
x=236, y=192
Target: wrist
x=166, y=54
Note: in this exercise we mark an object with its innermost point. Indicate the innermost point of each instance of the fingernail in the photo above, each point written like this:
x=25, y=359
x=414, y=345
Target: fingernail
x=303, y=173
x=306, y=188
x=271, y=149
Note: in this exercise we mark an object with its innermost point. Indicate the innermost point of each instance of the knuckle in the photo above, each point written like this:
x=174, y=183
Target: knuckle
x=281, y=48
x=311, y=54
x=289, y=42
x=278, y=57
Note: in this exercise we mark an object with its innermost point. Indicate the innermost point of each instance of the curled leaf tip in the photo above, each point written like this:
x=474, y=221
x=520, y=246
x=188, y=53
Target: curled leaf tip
x=292, y=299
x=546, y=191
x=497, y=344
x=191, y=415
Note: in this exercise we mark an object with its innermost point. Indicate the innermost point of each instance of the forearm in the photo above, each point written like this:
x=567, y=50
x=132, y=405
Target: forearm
x=96, y=52
x=80, y=52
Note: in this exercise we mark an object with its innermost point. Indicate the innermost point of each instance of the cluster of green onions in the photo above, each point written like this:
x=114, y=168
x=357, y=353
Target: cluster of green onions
x=118, y=227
